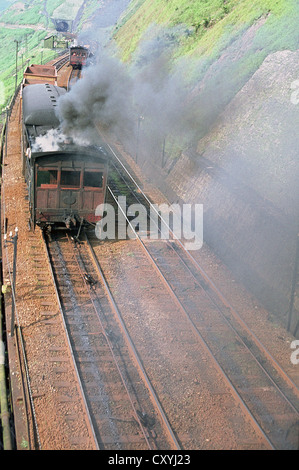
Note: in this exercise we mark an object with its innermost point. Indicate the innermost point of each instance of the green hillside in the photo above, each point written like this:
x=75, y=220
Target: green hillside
x=215, y=45
x=208, y=26
x=201, y=31
x=29, y=51
x=29, y=23
x=197, y=30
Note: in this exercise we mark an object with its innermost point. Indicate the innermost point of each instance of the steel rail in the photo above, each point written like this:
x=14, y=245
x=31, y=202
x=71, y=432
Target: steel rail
x=26, y=391
x=61, y=61
x=74, y=76
x=234, y=391
x=133, y=349
x=213, y=286
x=70, y=349
x=112, y=352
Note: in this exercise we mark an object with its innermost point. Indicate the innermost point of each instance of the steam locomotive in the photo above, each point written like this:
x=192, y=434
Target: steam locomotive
x=65, y=182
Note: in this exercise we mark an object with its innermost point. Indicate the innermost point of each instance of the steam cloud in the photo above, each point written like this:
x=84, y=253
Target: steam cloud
x=151, y=102
x=102, y=97
x=146, y=101
x=255, y=144
x=50, y=142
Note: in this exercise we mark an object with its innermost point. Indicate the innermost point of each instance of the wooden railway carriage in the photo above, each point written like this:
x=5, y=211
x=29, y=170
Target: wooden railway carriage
x=78, y=56
x=65, y=182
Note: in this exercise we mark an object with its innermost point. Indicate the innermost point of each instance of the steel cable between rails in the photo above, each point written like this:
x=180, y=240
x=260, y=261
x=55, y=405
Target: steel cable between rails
x=123, y=380
x=132, y=348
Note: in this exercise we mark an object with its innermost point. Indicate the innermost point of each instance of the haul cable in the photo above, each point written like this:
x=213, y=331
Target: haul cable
x=90, y=424
x=111, y=351
x=133, y=350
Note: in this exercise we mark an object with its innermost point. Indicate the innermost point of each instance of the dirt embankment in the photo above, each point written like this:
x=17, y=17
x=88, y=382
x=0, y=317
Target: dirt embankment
x=245, y=173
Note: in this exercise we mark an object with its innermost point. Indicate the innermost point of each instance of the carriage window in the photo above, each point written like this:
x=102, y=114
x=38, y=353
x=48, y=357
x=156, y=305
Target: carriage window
x=46, y=177
x=93, y=179
x=70, y=179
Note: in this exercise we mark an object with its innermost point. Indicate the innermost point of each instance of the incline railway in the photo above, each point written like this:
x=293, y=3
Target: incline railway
x=104, y=354
x=129, y=344
x=267, y=385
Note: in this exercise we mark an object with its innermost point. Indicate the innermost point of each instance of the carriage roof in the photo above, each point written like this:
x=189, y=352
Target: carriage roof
x=39, y=104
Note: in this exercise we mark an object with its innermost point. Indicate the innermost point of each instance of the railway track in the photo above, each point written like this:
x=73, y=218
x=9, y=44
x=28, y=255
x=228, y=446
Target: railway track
x=122, y=409
x=60, y=61
x=267, y=395
x=99, y=373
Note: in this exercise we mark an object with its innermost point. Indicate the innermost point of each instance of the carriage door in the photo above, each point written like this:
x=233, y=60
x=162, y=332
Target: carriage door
x=93, y=186
x=70, y=181
x=46, y=188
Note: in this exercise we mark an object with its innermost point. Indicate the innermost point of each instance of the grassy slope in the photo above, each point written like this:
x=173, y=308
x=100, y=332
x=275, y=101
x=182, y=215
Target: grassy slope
x=30, y=41
x=208, y=25
x=29, y=50
x=209, y=34
x=203, y=31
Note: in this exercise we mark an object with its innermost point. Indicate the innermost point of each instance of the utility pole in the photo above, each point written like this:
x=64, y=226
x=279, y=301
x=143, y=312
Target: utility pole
x=140, y=118
x=14, y=241
x=6, y=131
x=163, y=153
x=17, y=51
